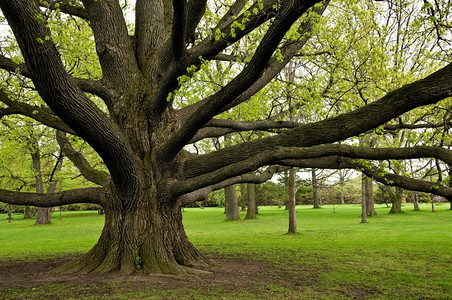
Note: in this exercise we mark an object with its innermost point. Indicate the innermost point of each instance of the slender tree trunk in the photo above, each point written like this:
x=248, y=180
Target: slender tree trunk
x=315, y=186
x=231, y=203
x=368, y=193
x=363, y=199
x=251, y=192
x=432, y=197
x=43, y=213
x=397, y=201
x=9, y=217
x=416, y=201
x=243, y=196
x=292, y=203
x=341, y=186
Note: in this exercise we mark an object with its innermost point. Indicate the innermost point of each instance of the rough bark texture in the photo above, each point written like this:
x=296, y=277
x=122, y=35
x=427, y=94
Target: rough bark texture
x=363, y=200
x=251, y=193
x=231, y=203
x=396, y=198
x=292, y=203
x=315, y=189
x=368, y=193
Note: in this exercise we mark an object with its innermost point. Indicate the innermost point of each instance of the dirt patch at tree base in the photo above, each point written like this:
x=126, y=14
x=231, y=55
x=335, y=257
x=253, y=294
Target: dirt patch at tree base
x=233, y=276
x=226, y=278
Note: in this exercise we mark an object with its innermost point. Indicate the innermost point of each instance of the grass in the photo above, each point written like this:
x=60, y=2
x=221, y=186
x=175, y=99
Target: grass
x=405, y=256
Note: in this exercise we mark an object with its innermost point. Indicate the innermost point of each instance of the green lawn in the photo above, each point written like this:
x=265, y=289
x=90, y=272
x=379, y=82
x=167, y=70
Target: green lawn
x=405, y=256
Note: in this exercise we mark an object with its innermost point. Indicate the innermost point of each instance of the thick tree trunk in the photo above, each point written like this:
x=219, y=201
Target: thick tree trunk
x=292, y=203
x=231, y=203
x=315, y=186
x=148, y=236
x=397, y=201
x=251, y=192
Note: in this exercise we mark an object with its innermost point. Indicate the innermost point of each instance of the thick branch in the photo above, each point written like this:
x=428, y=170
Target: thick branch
x=240, y=83
x=178, y=34
x=303, y=153
x=429, y=90
x=95, y=87
x=220, y=127
x=337, y=162
x=63, y=96
x=34, y=112
x=86, y=195
x=99, y=177
x=201, y=194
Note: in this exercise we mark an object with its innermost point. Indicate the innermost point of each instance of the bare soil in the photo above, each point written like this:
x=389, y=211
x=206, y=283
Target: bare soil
x=226, y=276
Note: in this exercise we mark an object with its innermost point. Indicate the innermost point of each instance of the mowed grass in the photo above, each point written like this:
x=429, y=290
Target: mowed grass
x=334, y=256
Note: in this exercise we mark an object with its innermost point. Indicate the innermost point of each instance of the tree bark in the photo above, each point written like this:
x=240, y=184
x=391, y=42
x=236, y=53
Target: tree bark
x=42, y=213
x=363, y=201
x=251, y=192
x=315, y=187
x=292, y=202
x=416, y=201
x=148, y=236
x=243, y=196
x=368, y=194
x=396, y=207
x=231, y=203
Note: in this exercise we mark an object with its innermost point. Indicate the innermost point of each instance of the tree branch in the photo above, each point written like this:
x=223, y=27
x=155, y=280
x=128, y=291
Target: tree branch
x=429, y=90
x=179, y=31
x=337, y=162
x=66, y=8
x=240, y=83
x=86, y=195
x=303, y=153
x=37, y=113
x=63, y=96
x=98, y=177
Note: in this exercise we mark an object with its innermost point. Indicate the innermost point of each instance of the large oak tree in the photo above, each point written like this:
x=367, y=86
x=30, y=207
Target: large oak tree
x=141, y=134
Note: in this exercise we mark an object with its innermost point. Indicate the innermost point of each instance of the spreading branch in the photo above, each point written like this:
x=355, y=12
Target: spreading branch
x=429, y=90
x=86, y=195
x=214, y=104
x=96, y=176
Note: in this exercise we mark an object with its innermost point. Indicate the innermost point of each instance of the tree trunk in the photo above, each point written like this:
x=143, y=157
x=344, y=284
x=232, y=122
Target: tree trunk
x=315, y=186
x=292, y=203
x=341, y=186
x=369, y=196
x=28, y=212
x=397, y=201
x=251, y=191
x=9, y=217
x=148, y=236
x=231, y=203
x=416, y=201
x=432, y=197
x=43, y=213
x=243, y=196
x=363, y=200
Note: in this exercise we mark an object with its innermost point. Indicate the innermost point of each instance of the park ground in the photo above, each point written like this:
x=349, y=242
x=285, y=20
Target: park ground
x=404, y=256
